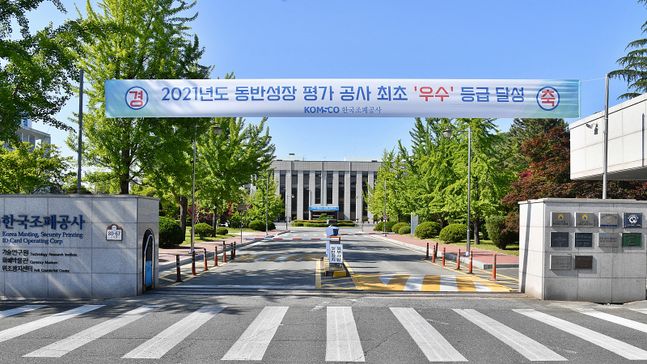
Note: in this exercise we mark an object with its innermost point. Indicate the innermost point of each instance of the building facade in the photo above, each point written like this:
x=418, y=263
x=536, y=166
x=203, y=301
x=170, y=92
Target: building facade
x=310, y=188
x=27, y=134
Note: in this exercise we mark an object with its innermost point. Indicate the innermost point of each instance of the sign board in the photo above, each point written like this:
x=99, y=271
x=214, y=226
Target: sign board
x=583, y=262
x=608, y=240
x=609, y=219
x=452, y=98
x=560, y=219
x=336, y=253
x=323, y=208
x=584, y=219
x=114, y=232
x=583, y=240
x=631, y=239
x=633, y=220
x=559, y=240
x=560, y=262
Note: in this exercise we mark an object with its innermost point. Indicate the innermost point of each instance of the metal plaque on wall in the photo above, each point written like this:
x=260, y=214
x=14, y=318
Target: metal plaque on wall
x=583, y=262
x=560, y=262
x=559, y=239
x=608, y=240
x=609, y=219
x=560, y=219
x=585, y=219
x=632, y=239
x=583, y=240
x=633, y=220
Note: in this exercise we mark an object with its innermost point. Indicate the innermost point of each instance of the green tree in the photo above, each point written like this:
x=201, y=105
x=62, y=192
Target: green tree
x=35, y=69
x=634, y=65
x=136, y=39
x=265, y=195
x=26, y=168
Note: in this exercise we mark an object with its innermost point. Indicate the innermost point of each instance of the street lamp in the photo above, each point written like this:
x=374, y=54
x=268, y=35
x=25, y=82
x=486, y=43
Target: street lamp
x=606, y=136
x=267, y=190
x=447, y=134
x=384, y=214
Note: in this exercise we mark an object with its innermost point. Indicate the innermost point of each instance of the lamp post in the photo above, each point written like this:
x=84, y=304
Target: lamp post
x=606, y=136
x=267, y=190
x=384, y=214
x=448, y=133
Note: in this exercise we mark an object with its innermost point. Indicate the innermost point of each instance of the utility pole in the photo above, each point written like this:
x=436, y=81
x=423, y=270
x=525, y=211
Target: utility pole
x=267, y=190
x=384, y=215
x=606, y=136
x=80, y=146
x=195, y=134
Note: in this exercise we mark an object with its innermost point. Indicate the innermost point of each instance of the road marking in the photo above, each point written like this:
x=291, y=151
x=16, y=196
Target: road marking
x=414, y=283
x=166, y=340
x=318, y=273
x=19, y=310
x=641, y=310
x=448, y=284
x=606, y=342
x=46, y=321
x=531, y=349
x=431, y=283
x=241, y=286
x=342, y=339
x=429, y=340
x=386, y=279
x=62, y=347
x=615, y=319
x=253, y=343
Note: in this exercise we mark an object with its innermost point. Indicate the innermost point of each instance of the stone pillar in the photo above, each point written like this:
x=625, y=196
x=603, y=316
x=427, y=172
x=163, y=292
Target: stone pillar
x=324, y=187
x=371, y=184
x=300, y=195
x=347, y=195
x=277, y=181
x=312, y=187
x=359, y=196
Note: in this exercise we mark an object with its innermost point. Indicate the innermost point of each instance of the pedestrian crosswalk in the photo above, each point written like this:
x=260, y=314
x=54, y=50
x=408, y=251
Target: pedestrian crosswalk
x=346, y=330
x=425, y=283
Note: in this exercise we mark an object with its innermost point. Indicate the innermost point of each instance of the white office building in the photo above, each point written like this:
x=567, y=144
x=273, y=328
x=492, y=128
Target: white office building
x=337, y=188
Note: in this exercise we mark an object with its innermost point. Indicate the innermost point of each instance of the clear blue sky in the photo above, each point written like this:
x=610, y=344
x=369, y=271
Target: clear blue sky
x=402, y=39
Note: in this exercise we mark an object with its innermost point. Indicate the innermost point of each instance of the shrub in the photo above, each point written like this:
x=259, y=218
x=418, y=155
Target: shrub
x=170, y=232
x=453, y=233
x=389, y=225
x=236, y=220
x=222, y=231
x=314, y=223
x=502, y=230
x=379, y=226
x=345, y=223
x=259, y=225
x=396, y=227
x=406, y=229
x=427, y=229
x=203, y=230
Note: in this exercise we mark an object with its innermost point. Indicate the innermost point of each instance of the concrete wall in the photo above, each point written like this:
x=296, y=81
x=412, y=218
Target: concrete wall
x=618, y=273
x=627, y=138
x=83, y=264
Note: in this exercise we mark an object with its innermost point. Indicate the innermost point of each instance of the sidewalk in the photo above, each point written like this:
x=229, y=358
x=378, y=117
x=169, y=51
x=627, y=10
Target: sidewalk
x=167, y=255
x=483, y=259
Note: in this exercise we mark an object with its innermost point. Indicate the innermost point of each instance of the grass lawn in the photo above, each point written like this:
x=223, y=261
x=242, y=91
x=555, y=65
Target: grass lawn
x=512, y=249
x=232, y=232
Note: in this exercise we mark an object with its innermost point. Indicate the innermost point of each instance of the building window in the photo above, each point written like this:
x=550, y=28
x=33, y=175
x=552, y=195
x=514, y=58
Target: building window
x=317, y=199
x=353, y=195
x=329, y=188
x=293, y=195
x=364, y=194
x=341, y=192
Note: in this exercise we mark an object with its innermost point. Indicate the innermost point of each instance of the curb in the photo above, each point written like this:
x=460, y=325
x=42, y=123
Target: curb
x=452, y=256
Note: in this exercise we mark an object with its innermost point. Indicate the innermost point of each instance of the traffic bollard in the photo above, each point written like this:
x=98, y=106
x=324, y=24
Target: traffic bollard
x=206, y=264
x=458, y=260
x=215, y=256
x=231, y=251
x=427, y=255
x=177, y=268
x=433, y=256
x=436, y=251
x=193, y=262
x=443, y=256
x=471, y=262
x=494, y=268
x=224, y=252
x=234, y=256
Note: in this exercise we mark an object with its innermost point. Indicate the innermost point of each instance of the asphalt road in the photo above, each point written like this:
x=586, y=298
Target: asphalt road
x=265, y=307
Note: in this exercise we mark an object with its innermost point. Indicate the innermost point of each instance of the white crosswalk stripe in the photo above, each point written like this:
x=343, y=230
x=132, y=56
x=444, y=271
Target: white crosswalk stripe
x=251, y=345
x=166, y=340
x=616, y=319
x=342, y=338
x=60, y=348
x=20, y=330
x=616, y=346
x=521, y=343
x=414, y=283
x=429, y=340
x=448, y=284
x=19, y=310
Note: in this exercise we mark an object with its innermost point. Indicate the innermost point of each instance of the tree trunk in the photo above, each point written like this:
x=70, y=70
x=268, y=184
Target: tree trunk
x=124, y=182
x=215, y=221
x=477, y=224
x=184, y=207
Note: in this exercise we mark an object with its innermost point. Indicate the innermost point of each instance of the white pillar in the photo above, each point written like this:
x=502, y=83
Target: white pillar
x=277, y=181
x=288, y=193
x=347, y=195
x=359, y=196
x=324, y=187
x=371, y=184
x=300, y=195
x=335, y=188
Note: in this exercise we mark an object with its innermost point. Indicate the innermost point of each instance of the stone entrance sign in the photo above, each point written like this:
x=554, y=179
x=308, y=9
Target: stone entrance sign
x=71, y=246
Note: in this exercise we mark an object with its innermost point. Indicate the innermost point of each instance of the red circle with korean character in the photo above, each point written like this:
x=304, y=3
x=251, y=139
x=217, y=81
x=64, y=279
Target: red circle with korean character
x=136, y=97
x=548, y=98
